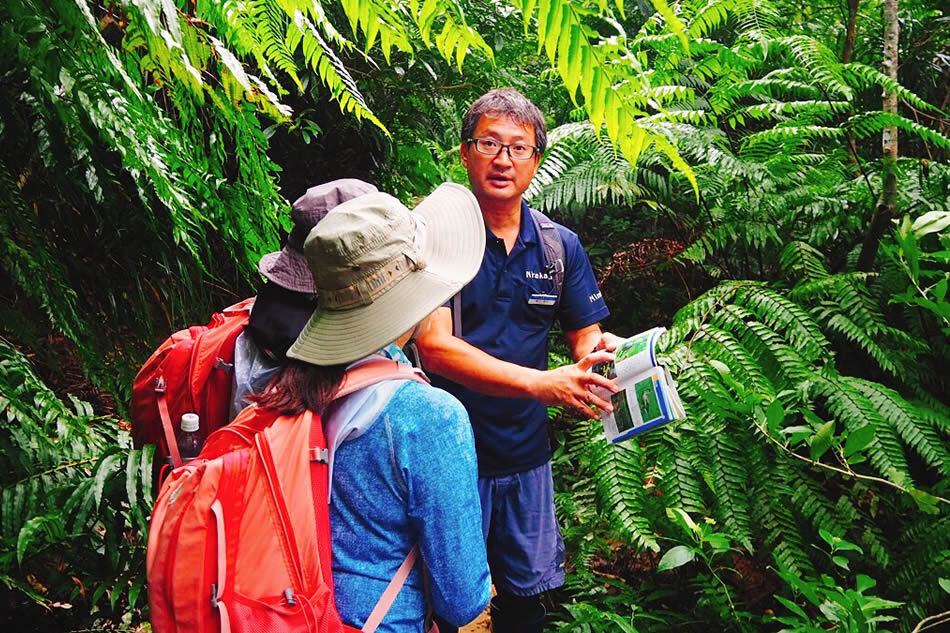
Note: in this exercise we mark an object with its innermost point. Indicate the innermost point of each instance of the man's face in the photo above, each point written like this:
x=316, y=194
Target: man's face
x=499, y=178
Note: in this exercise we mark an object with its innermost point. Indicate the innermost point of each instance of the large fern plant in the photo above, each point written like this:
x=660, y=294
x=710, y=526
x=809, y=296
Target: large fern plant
x=74, y=498
x=785, y=438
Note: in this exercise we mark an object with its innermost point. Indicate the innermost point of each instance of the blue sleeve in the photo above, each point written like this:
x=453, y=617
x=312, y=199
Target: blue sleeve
x=441, y=472
x=582, y=303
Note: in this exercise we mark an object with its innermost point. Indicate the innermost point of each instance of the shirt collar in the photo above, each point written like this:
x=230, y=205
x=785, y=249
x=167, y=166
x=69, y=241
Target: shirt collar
x=526, y=233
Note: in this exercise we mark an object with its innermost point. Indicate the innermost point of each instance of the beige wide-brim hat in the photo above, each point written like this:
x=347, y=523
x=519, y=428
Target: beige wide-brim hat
x=380, y=269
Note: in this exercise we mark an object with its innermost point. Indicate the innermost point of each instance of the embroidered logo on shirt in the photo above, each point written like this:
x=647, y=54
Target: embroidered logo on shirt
x=530, y=274
x=595, y=297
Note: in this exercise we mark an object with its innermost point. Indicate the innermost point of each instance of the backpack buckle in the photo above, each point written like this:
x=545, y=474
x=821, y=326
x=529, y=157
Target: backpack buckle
x=159, y=385
x=219, y=363
x=555, y=267
x=321, y=455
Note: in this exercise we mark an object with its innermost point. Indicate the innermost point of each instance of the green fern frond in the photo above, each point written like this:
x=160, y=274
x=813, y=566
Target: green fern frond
x=809, y=500
x=619, y=482
x=867, y=76
x=820, y=62
x=908, y=420
x=784, y=315
x=675, y=477
x=868, y=124
x=924, y=550
x=830, y=287
x=728, y=479
x=854, y=410
x=807, y=262
x=774, y=513
x=722, y=345
x=813, y=110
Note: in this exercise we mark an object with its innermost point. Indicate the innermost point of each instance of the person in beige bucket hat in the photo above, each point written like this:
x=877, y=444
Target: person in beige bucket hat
x=378, y=270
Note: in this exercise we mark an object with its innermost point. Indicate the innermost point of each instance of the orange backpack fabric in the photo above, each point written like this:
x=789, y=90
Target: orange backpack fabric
x=190, y=372
x=240, y=537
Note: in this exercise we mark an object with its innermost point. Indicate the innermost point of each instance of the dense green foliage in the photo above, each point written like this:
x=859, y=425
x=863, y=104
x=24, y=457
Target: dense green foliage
x=720, y=160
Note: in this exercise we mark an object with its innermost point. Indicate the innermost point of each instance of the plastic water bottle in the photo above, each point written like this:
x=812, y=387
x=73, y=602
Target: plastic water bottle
x=189, y=440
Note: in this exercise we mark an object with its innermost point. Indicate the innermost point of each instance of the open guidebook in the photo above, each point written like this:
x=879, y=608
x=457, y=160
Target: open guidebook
x=647, y=396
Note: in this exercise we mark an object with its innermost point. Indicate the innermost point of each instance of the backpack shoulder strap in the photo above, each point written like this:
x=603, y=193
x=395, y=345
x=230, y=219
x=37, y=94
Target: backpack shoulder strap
x=241, y=306
x=382, y=607
x=377, y=370
x=553, y=248
x=457, y=314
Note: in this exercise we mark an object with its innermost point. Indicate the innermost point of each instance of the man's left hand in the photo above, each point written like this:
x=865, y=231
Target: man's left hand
x=608, y=342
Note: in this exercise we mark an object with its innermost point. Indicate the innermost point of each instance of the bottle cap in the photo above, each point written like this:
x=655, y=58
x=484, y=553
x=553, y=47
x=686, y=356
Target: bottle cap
x=189, y=422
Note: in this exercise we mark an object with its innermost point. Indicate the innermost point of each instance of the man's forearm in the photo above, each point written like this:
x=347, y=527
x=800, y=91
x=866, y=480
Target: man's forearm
x=469, y=366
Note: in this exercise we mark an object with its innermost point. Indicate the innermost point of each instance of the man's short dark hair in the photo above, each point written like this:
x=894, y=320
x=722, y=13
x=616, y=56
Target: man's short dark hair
x=510, y=103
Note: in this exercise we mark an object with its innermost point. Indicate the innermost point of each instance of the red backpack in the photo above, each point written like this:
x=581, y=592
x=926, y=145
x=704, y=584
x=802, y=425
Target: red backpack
x=190, y=372
x=240, y=537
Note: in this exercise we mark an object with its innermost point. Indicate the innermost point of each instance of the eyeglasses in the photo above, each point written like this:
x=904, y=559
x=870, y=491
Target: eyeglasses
x=491, y=147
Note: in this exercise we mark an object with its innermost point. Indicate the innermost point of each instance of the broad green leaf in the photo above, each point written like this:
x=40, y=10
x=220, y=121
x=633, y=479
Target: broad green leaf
x=135, y=589
x=821, y=441
x=775, y=415
x=791, y=606
x=940, y=290
x=103, y=471
x=679, y=516
x=926, y=502
x=858, y=439
x=718, y=542
x=131, y=477
x=944, y=584
x=931, y=222
x=146, y=457
x=675, y=24
x=676, y=557
x=863, y=582
x=811, y=418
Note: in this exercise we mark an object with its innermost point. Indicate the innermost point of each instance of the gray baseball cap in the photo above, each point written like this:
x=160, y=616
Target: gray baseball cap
x=288, y=266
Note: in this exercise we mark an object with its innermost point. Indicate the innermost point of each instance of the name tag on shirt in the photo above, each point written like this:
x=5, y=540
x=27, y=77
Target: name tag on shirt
x=542, y=300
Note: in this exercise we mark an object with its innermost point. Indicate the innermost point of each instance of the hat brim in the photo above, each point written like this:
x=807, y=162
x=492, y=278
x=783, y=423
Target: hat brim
x=288, y=270
x=453, y=251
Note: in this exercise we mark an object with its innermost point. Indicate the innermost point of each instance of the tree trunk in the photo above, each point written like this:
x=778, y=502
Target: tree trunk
x=886, y=208
x=849, y=36
x=846, y=54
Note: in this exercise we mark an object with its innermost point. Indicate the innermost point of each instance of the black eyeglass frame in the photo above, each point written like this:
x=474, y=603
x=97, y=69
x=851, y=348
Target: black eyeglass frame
x=504, y=147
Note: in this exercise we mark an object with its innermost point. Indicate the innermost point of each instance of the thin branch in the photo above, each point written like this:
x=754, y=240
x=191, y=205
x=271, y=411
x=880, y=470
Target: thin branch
x=932, y=621
x=844, y=471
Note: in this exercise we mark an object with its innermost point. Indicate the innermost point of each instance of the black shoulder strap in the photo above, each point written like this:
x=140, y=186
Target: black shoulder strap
x=553, y=248
x=457, y=314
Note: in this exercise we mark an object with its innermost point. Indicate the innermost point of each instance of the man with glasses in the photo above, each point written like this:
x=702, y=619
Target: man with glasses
x=496, y=363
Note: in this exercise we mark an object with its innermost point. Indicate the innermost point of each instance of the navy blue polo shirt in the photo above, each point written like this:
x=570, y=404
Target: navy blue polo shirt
x=505, y=313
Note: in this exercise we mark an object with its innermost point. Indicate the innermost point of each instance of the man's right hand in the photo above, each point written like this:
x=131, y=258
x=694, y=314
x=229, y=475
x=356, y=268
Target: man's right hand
x=570, y=386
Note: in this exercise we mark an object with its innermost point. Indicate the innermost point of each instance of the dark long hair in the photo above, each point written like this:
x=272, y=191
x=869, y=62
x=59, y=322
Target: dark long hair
x=300, y=386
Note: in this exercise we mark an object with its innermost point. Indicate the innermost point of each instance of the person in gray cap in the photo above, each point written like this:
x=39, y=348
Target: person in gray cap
x=288, y=297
